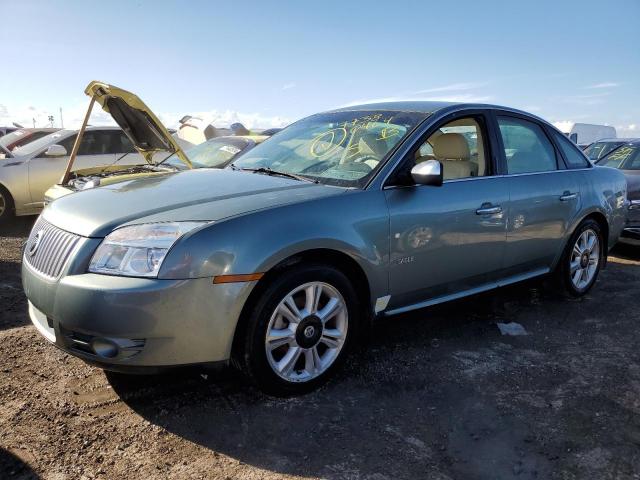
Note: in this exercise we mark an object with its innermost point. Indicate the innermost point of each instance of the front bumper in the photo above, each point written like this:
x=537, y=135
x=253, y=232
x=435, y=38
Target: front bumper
x=122, y=323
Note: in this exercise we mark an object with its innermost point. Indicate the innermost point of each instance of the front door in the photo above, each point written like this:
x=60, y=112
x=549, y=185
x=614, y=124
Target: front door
x=448, y=239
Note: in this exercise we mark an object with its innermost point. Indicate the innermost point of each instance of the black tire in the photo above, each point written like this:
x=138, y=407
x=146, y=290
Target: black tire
x=563, y=274
x=253, y=357
x=6, y=206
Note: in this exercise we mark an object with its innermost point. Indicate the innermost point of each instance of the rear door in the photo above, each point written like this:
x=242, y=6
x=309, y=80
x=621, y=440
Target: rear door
x=544, y=194
x=449, y=239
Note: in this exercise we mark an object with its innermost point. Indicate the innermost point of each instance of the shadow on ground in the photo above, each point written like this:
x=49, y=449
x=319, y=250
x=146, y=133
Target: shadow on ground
x=401, y=408
x=12, y=300
x=17, y=227
x=13, y=467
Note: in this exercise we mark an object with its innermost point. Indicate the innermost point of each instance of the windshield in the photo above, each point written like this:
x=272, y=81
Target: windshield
x=624, y=158
x=597, y=150
x=12, y=137
x=339, y=148
x=214, y=153
x=41, y=143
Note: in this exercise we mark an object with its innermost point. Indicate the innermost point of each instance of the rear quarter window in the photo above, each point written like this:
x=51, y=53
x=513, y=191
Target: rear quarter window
x=572, y=155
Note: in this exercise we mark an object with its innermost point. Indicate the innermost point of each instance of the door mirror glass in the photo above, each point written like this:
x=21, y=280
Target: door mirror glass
x=428, y=172
x=56, y=151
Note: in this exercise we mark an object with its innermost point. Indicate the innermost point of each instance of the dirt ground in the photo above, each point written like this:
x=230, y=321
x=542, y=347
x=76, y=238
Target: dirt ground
x=438, y=394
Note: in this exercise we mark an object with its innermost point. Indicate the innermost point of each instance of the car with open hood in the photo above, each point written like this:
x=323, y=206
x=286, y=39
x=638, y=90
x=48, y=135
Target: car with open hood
x=143, y=128
x=279, y=262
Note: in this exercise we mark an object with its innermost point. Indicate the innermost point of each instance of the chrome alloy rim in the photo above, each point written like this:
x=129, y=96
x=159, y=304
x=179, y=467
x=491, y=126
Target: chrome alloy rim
x=306, y=332
x=584, y=259
x=3, y=204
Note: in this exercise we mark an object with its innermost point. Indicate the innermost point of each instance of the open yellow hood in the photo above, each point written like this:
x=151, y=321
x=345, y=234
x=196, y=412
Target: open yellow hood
x=148, y=135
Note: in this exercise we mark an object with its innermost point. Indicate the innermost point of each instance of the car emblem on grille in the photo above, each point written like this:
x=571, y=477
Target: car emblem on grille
x=36, y=241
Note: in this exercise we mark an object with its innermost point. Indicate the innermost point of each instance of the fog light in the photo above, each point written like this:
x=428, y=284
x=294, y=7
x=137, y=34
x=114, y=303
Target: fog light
x=104, y=348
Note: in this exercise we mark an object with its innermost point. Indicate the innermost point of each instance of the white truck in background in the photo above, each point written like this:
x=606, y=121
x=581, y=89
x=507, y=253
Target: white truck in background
x=584, y=134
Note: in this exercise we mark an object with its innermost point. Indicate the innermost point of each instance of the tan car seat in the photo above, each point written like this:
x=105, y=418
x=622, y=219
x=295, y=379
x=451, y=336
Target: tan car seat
x=452, y=150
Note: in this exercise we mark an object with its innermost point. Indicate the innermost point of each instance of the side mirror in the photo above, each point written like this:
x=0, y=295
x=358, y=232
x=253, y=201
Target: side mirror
x=56, y=151
x=428, y=172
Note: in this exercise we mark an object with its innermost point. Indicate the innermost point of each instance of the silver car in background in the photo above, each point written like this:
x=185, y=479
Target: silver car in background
x=28, y=171
x=281, y=261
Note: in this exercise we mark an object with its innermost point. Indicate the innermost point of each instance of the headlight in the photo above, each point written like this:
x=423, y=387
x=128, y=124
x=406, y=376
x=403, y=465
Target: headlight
x=138, y=250
x=85, y=183
x=634, y=205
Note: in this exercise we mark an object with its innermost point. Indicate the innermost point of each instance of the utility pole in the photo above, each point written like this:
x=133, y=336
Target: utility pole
x=34, y=122
x=61, y=122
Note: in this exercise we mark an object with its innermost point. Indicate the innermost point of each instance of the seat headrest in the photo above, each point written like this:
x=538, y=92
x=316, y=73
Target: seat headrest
x=451, y=146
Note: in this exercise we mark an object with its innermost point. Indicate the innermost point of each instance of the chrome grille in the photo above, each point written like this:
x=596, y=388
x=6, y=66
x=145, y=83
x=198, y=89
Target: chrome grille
x=48, y=248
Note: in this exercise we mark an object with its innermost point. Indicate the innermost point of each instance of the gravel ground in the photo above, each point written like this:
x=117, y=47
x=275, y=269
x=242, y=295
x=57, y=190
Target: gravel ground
x=438, y=394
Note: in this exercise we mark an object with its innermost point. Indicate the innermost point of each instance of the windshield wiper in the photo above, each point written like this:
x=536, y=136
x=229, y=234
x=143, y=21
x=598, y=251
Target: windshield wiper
x=269, y=171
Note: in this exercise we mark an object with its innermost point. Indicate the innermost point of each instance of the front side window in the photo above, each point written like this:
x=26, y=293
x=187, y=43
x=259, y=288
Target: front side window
x=460, y=147
x=342, y=148
x=526, y=147
x=624, y=158
x=119, y=143
x=573, y=156
x=95, y=142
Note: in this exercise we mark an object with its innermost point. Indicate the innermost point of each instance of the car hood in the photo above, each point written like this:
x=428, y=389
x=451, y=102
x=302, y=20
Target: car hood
x=148, y=135
x=202, y=194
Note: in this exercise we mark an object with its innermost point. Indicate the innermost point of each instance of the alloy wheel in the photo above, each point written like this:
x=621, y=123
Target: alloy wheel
x=306, y=332
x=585, y=258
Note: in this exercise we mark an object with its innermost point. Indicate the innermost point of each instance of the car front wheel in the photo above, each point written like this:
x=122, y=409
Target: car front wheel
x=300, y=329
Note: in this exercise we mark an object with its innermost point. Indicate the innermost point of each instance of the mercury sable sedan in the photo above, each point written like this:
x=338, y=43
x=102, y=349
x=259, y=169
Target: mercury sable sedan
x=280, y=262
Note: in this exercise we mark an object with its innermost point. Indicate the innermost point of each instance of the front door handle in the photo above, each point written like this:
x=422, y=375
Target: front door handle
x=489, y=210
x=566, y=196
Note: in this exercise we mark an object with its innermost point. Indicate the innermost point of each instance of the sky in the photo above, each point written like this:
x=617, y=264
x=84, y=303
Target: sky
x=268, y=63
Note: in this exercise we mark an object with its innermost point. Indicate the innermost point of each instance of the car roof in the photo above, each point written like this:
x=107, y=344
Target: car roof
x=623, y=140
x=431, y=107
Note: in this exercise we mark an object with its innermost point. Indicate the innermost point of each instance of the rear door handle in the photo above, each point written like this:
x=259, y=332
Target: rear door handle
x=489, y=210
x=566, y=196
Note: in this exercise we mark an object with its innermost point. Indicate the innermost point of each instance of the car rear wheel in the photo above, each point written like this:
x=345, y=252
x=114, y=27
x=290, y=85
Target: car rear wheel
x=582, y=259
x=6, y=205
x=300, y=329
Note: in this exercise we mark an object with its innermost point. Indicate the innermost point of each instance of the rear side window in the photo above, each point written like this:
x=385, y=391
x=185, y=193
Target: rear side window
x=526, y=146
x=573, y=156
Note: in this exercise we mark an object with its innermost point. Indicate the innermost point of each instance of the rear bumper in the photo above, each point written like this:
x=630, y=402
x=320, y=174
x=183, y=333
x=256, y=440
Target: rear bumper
x=135, y=324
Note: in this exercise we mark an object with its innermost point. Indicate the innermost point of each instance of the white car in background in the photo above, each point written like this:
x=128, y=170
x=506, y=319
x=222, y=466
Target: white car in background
x=28, y=171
